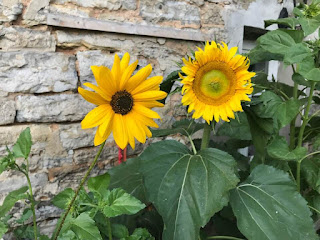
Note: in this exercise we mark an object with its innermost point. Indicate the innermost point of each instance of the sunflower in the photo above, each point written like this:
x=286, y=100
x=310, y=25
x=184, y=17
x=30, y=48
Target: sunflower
x=124, y=102
x=216, y=82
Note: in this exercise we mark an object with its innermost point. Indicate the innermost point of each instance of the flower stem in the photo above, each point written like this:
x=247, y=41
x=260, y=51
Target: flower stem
x=109, y=229
x=302, y=128
x=225, y=237
x=293, y=122
x=35, y=231
x=78, y=190
x=206, y=136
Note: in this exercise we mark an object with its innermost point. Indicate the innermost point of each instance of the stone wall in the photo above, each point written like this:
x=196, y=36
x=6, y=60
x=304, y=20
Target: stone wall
x=43, y=60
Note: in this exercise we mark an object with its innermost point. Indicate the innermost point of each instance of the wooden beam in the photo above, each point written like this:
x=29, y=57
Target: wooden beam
x=125, y=28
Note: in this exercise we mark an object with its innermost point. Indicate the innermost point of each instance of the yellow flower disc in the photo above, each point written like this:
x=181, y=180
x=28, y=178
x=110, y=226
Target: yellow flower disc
x=123, y=102
x=216, y=82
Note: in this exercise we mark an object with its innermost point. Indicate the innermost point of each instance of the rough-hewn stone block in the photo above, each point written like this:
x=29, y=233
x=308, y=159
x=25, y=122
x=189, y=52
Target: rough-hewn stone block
x=18, y=38
x=9, y=10
x=72, y=136
x=169, y=10
x=32, y=72
x=109, y=4
x=55, y=108
x=211, y=14
x=36, y=12
x=7, y=112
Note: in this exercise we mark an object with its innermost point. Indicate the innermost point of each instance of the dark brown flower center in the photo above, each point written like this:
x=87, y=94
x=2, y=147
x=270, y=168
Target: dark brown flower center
x=121, y=102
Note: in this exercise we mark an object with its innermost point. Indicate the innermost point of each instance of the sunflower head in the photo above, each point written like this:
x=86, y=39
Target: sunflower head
x=123, y=102
x=215, y=82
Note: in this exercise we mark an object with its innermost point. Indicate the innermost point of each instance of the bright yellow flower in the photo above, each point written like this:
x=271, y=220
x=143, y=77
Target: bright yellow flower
x=124, y=102
x=215, y=83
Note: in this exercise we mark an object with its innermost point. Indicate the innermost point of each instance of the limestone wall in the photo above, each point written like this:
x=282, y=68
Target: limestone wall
x=46, y=50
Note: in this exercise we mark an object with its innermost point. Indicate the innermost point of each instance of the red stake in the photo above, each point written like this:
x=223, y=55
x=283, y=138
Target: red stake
x=122, y=155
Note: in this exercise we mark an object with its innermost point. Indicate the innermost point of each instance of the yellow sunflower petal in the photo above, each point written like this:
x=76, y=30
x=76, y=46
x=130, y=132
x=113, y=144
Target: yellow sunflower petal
x=106, y=121
x=149, y=96
x=151, y=104
x=127, y=74
x=124, y=62
x=104, y=79
x=149, y=84
x=139, y=77
x=120, y=131
x=145, y=111
x=116, y=71
x=95, y=117
x=91, y=97
x=98, y=90
x=100, y=139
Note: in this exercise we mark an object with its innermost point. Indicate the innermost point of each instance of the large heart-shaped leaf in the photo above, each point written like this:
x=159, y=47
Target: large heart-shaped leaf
x=267, y=206
x=186, y=189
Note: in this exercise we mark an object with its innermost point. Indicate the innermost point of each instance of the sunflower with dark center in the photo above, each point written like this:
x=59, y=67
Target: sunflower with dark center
x=123, y=102
x=216, y=82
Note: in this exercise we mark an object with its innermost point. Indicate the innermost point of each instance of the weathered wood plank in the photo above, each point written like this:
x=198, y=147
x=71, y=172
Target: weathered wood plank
x=125, y=28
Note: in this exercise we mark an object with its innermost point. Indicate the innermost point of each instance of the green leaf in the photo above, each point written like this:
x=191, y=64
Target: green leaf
x=305, y=66
x=237, y=128
x=128, y=177
x=259, y=54
x=99, y=184
x=267, y=206
x=297, y=35
x=297, y=78
x=27, y=213
x=311, y=172
x=185, y=127
x=84, y=227
x=177, y=182
x=3, y=229
x=276, y=41
x=167, y=84
x=119, y=231
x=63, y=199
x=261, y=130
x=11, y=199
x=4, y=164
x=272, y=106
x=313, y=75
x=69, y=235
x=309, y=25
x=297, y=53
x=23, y=145
x=142, y=233
x=119, y=202
x=290, y=22
x=279, y=149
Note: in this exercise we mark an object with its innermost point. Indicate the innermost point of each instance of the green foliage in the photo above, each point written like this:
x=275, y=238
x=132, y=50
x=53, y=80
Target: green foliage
x=290, y=22
x=185, y=127
x=237, y=128
x=268, y=206
x=3, y=229
x=23, y=145
x=11, y=199
x=63, y=198
x=167, y=84
x=177, y=181
x=99, y=184
x=84, y=227
x=279, y=149
x=119, y=202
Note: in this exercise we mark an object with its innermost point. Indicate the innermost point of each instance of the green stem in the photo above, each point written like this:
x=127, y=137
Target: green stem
x=35, y=231
x=301, y=132
x=192, y=145
x=225, y=237
x=206, y=136
x=314, y=209
x=78, y=190
x=293, y=122
x=109, y=229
